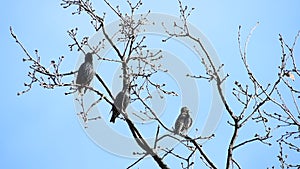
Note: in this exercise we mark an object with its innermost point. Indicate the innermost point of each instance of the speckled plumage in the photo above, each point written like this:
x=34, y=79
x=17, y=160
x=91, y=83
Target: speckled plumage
x=183, y=122
x=85, y=72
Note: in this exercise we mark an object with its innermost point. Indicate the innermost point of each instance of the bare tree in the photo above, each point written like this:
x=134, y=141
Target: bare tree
x=254, y=97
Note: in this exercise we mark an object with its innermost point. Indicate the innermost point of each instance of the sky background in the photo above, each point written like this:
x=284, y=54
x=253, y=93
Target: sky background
x=40, y=129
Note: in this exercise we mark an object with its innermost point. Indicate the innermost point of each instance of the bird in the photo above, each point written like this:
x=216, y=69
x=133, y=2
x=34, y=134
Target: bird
x=121, y=102
x=183, y=122
x=85, y=73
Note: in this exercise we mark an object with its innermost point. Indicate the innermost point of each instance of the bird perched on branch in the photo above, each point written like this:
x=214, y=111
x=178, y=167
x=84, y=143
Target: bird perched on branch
x=85, y=72
x=183, y=122
x=121, y=102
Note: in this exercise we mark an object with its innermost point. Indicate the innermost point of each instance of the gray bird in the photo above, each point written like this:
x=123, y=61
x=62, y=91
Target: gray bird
x=121, y=102
x=85, y=72
x=183, y=122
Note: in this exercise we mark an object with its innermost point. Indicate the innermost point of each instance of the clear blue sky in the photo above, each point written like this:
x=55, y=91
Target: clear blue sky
x=40, y=129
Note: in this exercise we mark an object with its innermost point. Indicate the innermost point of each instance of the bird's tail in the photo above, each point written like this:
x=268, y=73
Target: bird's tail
x=114, y=115
x=79, y=89
x=82, y=90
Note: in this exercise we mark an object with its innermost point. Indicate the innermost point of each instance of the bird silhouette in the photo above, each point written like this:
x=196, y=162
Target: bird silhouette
x=183, y=122
x=85, y=73
x=121, y=102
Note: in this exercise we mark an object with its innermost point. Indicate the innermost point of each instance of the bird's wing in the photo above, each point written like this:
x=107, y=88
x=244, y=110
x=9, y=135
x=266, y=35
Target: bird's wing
x=80, y=75
x=179, y=124
x=188, y=122
x=122, y=100
x=118, y=100
x=85, y=74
